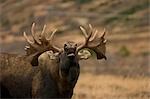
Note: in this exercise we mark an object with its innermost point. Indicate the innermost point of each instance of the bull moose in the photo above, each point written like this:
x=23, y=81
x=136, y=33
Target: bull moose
x=47, y=71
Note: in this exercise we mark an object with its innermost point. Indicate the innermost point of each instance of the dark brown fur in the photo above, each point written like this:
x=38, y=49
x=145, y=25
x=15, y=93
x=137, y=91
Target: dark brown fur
x=19, y=79
x=15, y=75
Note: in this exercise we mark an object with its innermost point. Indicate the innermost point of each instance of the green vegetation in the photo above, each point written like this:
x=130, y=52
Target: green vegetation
x=110, y=19
x=124, y=15
x=83, y=1
x=2, y=1
x=78, y=1
x=145, y=53
x=120, y=18
x=123, y=51
x=4, y=21
x=59, y=32
x=134, y=9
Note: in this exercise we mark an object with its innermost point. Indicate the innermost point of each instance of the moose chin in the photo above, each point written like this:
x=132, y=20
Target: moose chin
x=47, y=71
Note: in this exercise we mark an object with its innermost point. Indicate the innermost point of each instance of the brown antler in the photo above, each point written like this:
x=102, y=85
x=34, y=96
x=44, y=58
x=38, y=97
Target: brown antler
x=93, y=41
x=40, y=43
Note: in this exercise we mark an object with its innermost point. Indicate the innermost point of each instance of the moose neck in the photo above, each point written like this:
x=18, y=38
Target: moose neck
x=67, y=63
x=69, y=72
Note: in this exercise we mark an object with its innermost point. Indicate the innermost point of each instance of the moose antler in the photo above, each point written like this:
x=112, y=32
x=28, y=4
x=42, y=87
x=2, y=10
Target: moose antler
x=40, y=43
x=93, y=41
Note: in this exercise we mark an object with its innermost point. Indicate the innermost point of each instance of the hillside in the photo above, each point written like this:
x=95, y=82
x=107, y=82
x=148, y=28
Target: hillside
x=126, y=23
x=128, y=50
x=119, y=16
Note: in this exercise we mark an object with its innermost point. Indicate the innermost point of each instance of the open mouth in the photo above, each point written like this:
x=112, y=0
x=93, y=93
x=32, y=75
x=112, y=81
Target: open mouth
x=71, y=55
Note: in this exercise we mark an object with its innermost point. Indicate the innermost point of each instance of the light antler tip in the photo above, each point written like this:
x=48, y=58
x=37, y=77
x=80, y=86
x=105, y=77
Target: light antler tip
x=33, y=23
x=24, y=34
x=81, y=27
x=90, y=25
x=104, y=32
x=104, y=41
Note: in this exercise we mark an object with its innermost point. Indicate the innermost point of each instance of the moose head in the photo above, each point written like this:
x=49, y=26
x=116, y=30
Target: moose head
x=43, y=42
x=68, y=57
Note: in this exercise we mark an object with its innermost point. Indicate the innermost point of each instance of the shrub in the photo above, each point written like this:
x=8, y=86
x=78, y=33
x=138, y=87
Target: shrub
x=135, y=8
x=4, y=22
x=123, y=51
x=145, y=53
x=110, y=20
x=83, y=1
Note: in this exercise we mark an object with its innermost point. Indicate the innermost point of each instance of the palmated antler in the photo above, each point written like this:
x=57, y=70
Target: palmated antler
x=94, y=41
x=40, y=43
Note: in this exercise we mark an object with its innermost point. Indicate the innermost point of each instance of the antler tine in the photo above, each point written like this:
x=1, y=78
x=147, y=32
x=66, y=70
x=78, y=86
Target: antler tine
x=104, y=32
x=31, y=43
x=50, y=41
x=32, y=30
x=104, y=41
x=33, y=34
x=90, y=34
x=43, y=32
x=27, y=39
x=83, y=31
x=94, y=35
x=86, y=35
x=52, y=35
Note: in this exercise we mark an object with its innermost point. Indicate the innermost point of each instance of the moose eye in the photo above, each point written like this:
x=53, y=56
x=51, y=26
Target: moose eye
x=75, y=45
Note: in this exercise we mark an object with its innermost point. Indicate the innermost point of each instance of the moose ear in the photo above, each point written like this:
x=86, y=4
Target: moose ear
x=100, y=55
x=33, y=59
x=100, y=50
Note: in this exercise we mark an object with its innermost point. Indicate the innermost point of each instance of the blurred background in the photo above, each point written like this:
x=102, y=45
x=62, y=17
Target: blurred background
x=126, y=72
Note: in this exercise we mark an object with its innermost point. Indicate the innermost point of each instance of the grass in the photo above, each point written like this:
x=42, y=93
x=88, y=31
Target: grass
x=111, y=19
x=111, y=87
